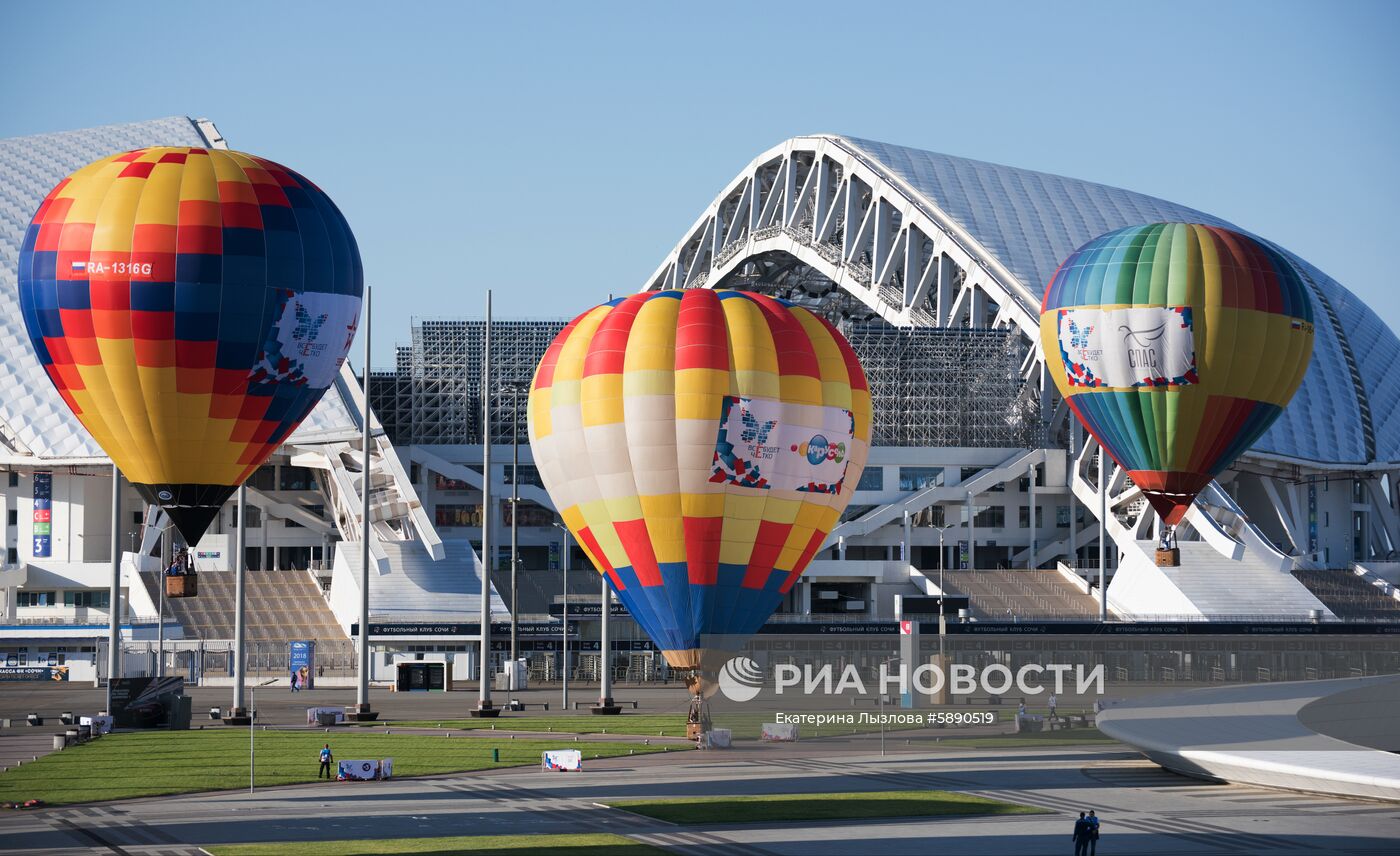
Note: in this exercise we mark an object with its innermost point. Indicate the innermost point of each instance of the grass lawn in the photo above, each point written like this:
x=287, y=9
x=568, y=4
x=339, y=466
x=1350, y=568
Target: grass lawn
x=602, y=844
x=151, y=763
x=641, y=725
x=847, y=806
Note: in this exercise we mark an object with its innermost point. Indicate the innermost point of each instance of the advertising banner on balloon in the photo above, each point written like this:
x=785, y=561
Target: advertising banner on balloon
x=1128, y=347
x=43, y=515
x=765, y=444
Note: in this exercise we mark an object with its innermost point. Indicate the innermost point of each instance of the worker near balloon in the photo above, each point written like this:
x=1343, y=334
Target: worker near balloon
x=1176, y=345
x=191, y=306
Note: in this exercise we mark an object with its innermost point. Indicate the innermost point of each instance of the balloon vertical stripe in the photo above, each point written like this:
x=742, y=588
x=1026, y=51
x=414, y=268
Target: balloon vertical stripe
x=1177, y=345
x=700, y=445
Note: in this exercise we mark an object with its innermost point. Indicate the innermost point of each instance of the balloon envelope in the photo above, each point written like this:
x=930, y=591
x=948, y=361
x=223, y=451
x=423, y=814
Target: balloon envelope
x=700, y=446
x=1177, y=345
x=191, y=306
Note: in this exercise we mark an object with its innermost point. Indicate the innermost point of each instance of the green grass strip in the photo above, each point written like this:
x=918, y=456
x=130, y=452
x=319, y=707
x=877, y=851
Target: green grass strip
x=154, y=763
x=599, y=844
x=839, y=806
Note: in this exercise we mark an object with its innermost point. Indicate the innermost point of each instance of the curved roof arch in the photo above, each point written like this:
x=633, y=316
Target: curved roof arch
x=927, y=239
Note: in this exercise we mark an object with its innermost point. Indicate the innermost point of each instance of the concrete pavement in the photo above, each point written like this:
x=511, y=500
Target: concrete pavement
x=1145, y=810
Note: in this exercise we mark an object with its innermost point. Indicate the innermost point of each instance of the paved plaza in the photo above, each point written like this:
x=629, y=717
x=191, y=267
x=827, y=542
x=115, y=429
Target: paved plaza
x=1144, y=810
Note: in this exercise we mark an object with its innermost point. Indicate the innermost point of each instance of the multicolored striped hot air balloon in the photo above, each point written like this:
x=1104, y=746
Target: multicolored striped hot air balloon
x=700, y=446
x=191, y=305
x=1177, y=345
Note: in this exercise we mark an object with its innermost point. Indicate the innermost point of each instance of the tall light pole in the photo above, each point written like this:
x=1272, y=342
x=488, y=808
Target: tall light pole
x=484, y=708
x=565, y=632
x=1103, y=534
x=362, y=707
x=514, y=523
x=240, y=566
x=114, y=596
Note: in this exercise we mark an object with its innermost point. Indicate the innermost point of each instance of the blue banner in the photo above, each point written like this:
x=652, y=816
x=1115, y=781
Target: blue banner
x=302, y=663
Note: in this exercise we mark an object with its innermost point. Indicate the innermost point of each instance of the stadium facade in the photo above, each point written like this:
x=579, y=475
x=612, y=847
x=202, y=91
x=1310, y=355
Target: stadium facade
x=932, y=265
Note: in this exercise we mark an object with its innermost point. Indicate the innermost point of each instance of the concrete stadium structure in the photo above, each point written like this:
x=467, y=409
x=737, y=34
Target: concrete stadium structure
x=921, y=257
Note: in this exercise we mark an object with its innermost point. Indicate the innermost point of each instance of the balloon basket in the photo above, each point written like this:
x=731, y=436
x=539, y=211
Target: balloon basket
x=182, y=585
x=1168, y=558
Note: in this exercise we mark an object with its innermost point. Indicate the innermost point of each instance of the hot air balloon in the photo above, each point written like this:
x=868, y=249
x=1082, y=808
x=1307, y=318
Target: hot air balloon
x=700, y=446
x=1177, y=345
x=191, y=306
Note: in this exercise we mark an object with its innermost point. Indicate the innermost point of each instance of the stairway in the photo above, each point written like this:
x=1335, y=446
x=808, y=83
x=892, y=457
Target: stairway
x=1215, y=586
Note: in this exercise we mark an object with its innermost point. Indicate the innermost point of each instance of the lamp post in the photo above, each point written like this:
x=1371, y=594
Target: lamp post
x=565, y=632
x=514, y=521
x=252, y=715
x=484, y=707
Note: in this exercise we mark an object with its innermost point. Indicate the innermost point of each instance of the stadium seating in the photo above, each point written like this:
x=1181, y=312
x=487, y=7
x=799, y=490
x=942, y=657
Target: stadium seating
x=1003, y=595
x=281, y=605
x=1348, y=595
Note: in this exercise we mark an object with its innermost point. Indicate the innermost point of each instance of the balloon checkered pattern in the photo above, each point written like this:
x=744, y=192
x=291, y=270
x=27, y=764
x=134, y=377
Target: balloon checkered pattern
x=191, y=306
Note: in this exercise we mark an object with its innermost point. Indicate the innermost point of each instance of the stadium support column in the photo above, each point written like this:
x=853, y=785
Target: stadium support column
x=1073, y=470
x=114, y=596
x=240, y=600
x=483, y=702
x=1103, y=537
x=362, y=709
x=971, y=534
x=605, y=704
x=1030, y=473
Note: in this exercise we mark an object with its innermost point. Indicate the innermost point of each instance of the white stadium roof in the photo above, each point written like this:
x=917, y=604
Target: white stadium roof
x=1009, y=229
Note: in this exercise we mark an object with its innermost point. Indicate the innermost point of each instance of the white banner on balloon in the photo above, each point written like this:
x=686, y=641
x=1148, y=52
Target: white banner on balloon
x=766, y=444
x=1128, y=347
x=313, y=332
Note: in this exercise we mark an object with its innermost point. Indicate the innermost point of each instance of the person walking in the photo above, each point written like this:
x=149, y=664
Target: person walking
x=326, y=759
x=1093, y=820
x=1052, y=701
x=1081, y=836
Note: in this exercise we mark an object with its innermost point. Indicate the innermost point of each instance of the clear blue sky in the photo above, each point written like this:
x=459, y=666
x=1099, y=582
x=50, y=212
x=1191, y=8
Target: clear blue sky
x=555, y=152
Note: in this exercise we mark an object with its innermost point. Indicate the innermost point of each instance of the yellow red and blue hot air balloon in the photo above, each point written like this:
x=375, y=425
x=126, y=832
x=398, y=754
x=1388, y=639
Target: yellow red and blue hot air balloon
x=700, y=446
x=1177, y=345
x=191, y=306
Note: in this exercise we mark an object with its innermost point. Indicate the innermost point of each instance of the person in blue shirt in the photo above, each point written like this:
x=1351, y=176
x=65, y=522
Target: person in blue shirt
x=1093, y=820
x=1081, y=835
x=326, y=759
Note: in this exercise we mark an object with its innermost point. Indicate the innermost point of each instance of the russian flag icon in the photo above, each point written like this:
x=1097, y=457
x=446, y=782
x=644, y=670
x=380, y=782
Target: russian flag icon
x=79, y=267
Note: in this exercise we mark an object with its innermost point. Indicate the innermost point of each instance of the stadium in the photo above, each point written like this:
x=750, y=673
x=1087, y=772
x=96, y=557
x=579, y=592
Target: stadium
x=979, y=484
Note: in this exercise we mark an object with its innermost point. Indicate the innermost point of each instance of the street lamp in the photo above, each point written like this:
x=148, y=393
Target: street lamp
x=565, y=620
x=252, y=715
x=514, y=387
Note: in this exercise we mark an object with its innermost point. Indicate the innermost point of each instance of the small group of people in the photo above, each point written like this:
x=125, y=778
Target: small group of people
x=1086, y=834
x=180, y=565
x=1052, y=702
